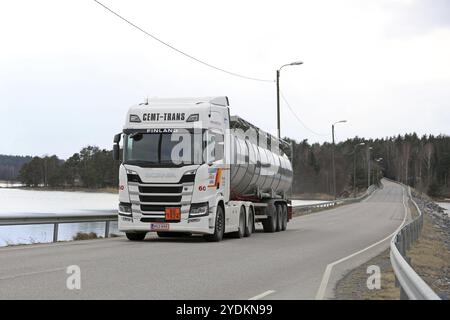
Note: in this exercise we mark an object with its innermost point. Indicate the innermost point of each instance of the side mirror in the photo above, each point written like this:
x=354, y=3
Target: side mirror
x=117, y=138
x=116, y=152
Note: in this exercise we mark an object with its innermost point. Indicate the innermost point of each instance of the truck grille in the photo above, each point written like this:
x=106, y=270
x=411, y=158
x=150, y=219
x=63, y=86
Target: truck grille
x=156, y=208
x=151, y=199
x=161, y=189
x=160, y=198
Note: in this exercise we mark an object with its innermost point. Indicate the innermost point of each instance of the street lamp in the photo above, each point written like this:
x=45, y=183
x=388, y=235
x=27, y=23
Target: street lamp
x=368, y=166
x=354, y=165
x=332, y=156
x=297, y=63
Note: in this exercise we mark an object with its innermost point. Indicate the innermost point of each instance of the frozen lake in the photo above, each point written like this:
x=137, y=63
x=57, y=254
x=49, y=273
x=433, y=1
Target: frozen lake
x=30, y=202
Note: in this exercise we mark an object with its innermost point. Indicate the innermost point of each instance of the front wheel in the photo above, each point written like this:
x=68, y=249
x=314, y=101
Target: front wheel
x=219, y=227
x=136, y=236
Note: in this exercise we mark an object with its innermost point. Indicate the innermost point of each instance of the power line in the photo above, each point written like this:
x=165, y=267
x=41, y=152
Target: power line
x=298, y=118
x=179, y=51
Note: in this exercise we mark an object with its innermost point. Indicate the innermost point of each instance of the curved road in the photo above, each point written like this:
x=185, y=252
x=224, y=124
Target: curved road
x=284, y=265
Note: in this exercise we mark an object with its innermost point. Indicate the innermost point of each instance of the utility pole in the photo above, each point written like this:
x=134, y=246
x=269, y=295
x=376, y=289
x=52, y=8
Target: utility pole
x=278, y=103
x=368, y=166
x=378, y=168
x=278, y=94
x=332, y=157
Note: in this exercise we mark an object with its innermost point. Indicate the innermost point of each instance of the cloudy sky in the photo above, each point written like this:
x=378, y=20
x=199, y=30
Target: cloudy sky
x=69, y=69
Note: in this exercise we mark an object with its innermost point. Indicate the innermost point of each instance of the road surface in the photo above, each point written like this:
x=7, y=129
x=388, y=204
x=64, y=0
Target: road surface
x=284, y=265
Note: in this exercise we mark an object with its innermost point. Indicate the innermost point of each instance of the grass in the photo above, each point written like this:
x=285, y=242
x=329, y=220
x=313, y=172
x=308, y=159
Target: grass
x=430, y=258
x=85, y=236
x=353, y=285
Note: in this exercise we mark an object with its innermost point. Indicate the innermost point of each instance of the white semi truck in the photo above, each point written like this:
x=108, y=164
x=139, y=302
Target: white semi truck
x=187, y=167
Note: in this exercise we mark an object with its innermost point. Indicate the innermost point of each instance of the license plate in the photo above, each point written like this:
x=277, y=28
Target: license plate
x=159, y=226
x=173, y=214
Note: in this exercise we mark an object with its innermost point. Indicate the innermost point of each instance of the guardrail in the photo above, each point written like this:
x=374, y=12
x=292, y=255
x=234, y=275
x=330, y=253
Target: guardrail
x=309, y=207
x=56, y=220
x=412, y=286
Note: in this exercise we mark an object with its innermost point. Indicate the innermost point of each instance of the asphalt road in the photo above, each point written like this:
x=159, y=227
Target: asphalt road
x=283, y=265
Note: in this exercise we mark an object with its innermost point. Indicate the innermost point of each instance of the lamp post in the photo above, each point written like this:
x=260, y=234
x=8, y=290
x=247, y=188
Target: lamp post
x=278, y=92
x=378, y=167
x=332, y=156
x=354, y=165
x=368, y=166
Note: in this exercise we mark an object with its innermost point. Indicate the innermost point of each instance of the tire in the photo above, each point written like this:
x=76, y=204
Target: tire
x=250, y=225
x=164, y=234
x=136, y=236
x=242, y=225
x=270, y=223
x=219, y=227
x=279, y=212
x=284, y=218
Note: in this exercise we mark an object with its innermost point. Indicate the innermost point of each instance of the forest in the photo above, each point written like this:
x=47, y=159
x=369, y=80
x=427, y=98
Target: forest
x=10, y=166
x=91, y=168
x=421, y=162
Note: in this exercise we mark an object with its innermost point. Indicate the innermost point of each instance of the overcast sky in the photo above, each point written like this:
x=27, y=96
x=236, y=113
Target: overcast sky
x=69, y=70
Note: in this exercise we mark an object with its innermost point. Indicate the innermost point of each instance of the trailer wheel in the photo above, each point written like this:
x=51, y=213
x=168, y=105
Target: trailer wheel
x=219, y=227
x=250, y=226
x=136, y=236
x=270, y=223
x=284, y=218
x=242, y=225
x=279, y=212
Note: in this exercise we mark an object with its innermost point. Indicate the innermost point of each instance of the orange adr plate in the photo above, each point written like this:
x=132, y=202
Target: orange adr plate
x=173, y=214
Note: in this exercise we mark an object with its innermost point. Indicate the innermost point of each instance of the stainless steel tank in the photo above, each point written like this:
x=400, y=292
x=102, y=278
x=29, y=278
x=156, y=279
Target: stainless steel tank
x=255, y=168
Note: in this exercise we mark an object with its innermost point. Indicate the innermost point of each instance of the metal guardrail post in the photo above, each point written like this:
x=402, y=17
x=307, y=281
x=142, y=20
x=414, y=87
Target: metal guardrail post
x=402, y=243
x=55, y=232
x=408, y=237
x=107, y=229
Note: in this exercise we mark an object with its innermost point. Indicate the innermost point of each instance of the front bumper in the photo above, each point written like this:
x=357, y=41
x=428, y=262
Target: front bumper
x=200, y=225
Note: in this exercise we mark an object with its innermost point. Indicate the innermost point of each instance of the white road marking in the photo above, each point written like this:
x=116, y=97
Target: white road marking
x=27, y=274
x=262, y=295
x=326, y=276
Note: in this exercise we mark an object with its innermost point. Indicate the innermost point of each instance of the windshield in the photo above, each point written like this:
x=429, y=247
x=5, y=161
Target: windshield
x=183, y=147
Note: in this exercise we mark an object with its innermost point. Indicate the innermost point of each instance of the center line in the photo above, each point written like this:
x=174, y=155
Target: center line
x=262, y=295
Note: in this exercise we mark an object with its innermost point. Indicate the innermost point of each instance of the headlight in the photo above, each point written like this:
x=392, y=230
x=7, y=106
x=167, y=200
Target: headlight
x=199, y=210
x=132, y=176
x=125, y=208
x=189, y=176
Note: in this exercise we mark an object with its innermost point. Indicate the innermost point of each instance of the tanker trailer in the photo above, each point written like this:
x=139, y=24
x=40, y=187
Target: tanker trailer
x=188, y=167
